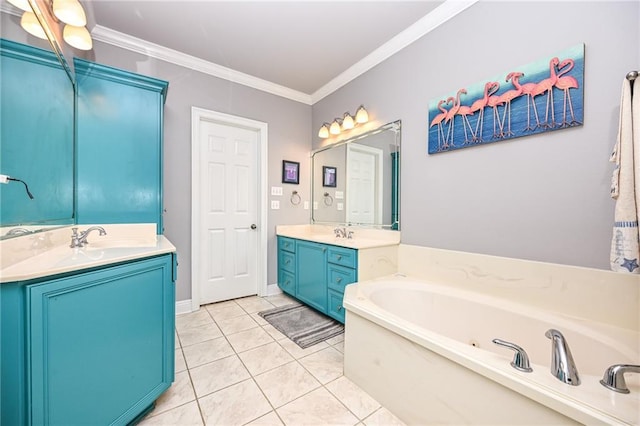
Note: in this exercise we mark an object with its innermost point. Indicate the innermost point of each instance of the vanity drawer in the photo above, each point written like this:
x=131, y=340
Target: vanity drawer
x=339, y=277
x=336, y=310
x=343, y=256
x=287, y=282
x=288, y=244
x=287, y=261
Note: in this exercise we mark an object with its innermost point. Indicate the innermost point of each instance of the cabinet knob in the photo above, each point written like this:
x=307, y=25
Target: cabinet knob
x=288, y=261
x=339, y=308
x=339, y=280
x=339, y=257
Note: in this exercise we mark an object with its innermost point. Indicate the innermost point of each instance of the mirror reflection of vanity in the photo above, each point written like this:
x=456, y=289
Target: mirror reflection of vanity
x=356, y=181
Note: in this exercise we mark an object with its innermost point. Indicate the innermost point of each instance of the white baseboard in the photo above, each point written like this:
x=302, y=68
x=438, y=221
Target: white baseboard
x=183, y=307
x=273, y=289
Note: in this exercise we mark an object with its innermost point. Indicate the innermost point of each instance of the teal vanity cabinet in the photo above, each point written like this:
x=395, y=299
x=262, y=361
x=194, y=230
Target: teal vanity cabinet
x=316, y=273
x=119, y=145
x=92, y=347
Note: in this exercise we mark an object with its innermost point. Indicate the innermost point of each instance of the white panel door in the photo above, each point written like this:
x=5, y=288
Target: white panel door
x=228, y=202
x=364, y=190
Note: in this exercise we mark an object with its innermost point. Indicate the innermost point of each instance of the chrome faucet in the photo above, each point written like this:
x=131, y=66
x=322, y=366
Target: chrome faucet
x=80, y=239
x=614, y=377
x=520, y=358
x=562, y=365
x=340, y=232
x=17, y=231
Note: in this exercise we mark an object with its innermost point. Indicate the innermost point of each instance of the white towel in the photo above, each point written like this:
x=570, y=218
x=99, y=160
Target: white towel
x=625, y=185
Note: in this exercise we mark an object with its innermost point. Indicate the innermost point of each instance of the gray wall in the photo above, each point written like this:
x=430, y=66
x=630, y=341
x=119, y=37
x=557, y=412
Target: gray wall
x=542, y=197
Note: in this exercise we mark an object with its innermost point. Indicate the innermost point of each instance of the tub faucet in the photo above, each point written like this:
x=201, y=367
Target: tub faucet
x=520, y=359
x=562, y=365
x=614, y=377
x=79, y=240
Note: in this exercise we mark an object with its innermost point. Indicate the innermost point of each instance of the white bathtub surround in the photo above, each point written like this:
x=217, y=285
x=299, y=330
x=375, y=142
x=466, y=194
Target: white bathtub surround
x=625, y=185
x=422, y=347
x=48, y=252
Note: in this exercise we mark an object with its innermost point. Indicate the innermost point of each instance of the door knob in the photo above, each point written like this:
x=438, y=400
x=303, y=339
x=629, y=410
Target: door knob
x=253, y=226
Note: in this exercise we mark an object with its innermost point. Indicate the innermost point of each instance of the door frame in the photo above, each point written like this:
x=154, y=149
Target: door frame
x=199, y=115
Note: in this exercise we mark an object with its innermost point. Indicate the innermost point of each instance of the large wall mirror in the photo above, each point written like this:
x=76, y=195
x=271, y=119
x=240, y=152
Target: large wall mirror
x=36, y=140
x=357, y=181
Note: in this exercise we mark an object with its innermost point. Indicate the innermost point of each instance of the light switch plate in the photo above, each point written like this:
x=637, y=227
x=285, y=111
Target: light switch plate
x=306, y=205
x=315, y=205
x=339, y=195
x=275, y=205
x=340, y=206
x=276, y=190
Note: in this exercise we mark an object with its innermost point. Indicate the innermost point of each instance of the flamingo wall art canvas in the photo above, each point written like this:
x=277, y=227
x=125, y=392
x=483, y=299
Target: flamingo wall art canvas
x=539, y=97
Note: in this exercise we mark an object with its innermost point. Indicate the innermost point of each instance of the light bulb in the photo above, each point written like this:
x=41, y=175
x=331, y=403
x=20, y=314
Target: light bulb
x=347, y=122
x=31, y=25
x=362, y=116
x=22, y=4
x=335, y=127
x=324, y=131
x=70, y=12
x=77, y=37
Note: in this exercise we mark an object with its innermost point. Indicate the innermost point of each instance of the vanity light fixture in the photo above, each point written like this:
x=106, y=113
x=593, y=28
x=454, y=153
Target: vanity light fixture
x=31, y=25
x=335, y=127
x=69, y=13
x=362, y=116
x=324, y=131
x=347, y=122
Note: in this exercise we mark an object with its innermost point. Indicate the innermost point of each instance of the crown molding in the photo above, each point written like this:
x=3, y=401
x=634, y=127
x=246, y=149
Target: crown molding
x=441, y=14
x=134, y=44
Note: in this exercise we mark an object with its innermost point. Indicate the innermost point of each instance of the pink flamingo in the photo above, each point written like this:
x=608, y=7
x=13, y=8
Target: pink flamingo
x=437, y=120
x=493, y=102
x=478, y=105
x=565, y=83
x=451, y=117
x=507, y=97
x=527, y=89
x=547, y=85
x=465, y=111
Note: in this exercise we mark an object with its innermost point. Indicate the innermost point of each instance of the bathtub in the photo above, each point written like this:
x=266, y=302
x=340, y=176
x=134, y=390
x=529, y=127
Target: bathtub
x=424, y=351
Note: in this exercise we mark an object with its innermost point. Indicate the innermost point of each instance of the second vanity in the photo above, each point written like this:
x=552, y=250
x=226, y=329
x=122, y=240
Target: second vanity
x=87, y=333
x=315, y=265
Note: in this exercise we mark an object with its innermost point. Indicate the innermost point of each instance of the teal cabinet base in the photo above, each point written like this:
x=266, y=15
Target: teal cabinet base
x=316, y=274
x=88, y=348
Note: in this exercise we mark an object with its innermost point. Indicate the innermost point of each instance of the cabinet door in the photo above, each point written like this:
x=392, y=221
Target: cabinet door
x=119, y=146
x=312, y=274
x=101, y=343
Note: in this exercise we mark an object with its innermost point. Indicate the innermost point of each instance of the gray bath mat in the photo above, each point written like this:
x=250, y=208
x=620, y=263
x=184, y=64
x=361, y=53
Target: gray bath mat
x=303, y=325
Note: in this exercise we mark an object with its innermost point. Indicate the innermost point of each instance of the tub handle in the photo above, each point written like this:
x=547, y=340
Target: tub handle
x=614, y=377
x=520, y=359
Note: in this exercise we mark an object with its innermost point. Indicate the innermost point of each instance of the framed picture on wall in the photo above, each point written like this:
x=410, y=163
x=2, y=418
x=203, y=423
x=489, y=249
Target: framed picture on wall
x=329, y=176
x=290, y=172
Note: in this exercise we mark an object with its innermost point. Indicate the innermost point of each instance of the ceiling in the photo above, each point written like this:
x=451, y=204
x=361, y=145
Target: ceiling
x=301, y=45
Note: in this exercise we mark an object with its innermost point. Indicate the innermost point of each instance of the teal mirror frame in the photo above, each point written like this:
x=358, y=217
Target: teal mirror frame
x=37, y=107
x=325, y=199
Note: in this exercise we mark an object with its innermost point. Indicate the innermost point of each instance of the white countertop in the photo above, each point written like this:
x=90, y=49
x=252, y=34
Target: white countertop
x=48, y=253
x=363, y=238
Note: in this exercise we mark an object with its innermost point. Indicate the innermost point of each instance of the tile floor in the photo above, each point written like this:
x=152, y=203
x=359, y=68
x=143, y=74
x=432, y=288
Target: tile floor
x=233, y=368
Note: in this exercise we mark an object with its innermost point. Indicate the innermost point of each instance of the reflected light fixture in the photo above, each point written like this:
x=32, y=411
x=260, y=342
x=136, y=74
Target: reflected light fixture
x=347, y=122
x=324, y=131
x=31, y=25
